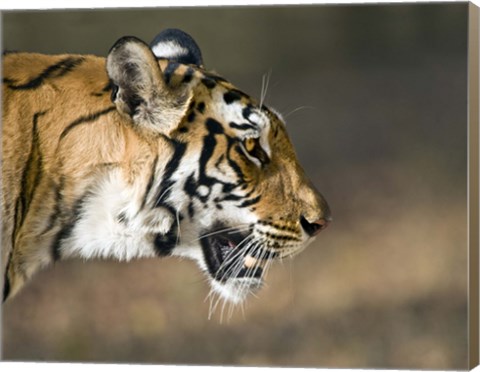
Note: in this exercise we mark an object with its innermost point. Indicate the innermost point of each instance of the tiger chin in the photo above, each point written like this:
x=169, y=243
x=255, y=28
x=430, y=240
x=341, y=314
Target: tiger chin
x=145, y=153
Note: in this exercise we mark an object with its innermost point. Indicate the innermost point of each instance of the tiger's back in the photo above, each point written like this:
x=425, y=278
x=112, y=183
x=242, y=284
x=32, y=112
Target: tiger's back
x=46, y=99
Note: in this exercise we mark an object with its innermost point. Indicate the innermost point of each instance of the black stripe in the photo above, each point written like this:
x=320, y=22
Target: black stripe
x=150, y=182
x=278, y=227
x=279, y=237
x=107, y=88
x=227, y=189
x=246, y=112
x=6, y=287
x=229, y=197
x=232, y=96
x=214, y=127
x=209, y=143
x=31, y=176
x=275, y=130
x=16, y=219
x=233, y=164
x=165, y=243
x=219, y=161
x=215, y=78
x=6, y=279
x=191, y=117
x=209, y=83
x=188, y=75
x=35, y=160
x=86, y=119
x=113, y=95
x=55, y=215
x=61, y=235
x=172, y=165
x=262, y=253
x=190, y=187
x=191, y=210
x=201, y=107
x=250, y=202
x=57, y=70
x=208, y=148
x=169, y=70
x=191, y=105
x=132, y=100
x=243, y=126
x=68, y=227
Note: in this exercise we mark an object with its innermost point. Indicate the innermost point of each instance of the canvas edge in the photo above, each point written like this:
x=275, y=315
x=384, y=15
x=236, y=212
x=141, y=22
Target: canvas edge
x=1, y=183
x=473, y=184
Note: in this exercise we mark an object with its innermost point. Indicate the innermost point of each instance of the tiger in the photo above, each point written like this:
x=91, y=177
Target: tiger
x=146, y=153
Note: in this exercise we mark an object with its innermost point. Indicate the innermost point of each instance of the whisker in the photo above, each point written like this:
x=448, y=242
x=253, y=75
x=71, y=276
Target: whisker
x=159, y=200
x=251, y=269
x=208, y=296
x=178, y=226
x=265, y=82
x=231, y=307
x=235, y=255
x=242, y=308
x=238, y=228
x=223, y=310
x=219, y=297
x=298, y=109
x=237, y=277
x=254, y=295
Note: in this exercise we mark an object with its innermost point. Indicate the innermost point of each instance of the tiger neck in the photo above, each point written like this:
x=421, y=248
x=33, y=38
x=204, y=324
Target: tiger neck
x=127, y=213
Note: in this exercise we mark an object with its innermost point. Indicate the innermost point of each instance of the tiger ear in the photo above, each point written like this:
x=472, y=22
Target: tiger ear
x=139, y=89
x=177, y=46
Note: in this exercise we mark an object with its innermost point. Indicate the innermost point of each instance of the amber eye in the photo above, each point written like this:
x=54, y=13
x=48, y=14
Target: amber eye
x=254, y=149
x=250, y=144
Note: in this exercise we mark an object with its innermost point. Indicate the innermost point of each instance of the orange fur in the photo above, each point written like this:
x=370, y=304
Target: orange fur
x=62, y=133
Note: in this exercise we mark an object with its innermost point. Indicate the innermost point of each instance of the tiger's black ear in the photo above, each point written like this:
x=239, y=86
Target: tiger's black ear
x=140, y=91
x=178, y=46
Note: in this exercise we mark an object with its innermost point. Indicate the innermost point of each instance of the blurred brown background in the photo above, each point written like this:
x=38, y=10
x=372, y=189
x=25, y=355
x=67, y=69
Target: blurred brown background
x=375, y=99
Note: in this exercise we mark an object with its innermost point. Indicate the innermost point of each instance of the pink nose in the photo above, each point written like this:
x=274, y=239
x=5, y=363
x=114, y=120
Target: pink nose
x=313, y=228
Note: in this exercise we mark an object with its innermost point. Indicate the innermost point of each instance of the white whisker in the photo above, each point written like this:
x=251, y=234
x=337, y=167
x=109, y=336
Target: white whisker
x=265, y=83
x=159, y=200
x=223, y=310
x=238, y=228
x=178, y=227
x=234, y=256
x=231, y=307
x=214, y=308
x=298, y=109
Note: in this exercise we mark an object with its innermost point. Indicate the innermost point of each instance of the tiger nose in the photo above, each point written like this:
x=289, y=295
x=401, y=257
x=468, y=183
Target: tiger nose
x=313, y=228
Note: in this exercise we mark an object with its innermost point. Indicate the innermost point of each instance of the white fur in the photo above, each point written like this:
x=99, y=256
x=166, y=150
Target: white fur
x=233, y=113
x=169, y=49
x=236, y=290
x=100, y=233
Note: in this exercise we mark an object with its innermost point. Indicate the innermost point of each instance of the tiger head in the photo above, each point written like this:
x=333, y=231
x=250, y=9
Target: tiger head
x=237, y=194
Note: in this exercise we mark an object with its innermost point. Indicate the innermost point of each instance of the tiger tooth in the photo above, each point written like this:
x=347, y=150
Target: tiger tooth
x=250, y=261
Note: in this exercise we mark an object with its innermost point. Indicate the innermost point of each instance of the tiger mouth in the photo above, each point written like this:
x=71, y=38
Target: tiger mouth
x=227, y=258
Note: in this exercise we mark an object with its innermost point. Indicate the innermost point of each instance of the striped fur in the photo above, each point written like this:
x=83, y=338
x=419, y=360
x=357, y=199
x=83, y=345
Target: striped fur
x=140, y=156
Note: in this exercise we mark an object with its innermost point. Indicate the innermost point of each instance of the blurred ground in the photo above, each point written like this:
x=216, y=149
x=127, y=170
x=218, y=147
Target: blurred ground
x=375, y=101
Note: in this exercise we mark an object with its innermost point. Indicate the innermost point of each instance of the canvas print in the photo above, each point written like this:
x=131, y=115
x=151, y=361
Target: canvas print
x=250, y=186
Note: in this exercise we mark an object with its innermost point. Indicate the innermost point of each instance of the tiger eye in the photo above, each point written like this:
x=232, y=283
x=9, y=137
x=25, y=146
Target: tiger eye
x=250, y=144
